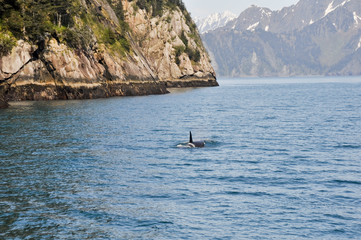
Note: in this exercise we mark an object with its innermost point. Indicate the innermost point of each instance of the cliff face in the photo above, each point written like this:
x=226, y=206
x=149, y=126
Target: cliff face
x=159, y=37
x=137, y=53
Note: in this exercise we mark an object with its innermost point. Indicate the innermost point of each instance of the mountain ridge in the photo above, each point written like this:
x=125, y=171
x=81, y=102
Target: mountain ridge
x=214, y=21
x=308, y=38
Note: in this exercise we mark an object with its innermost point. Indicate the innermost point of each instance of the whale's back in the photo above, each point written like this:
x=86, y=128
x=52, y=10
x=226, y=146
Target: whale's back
x=195, y=144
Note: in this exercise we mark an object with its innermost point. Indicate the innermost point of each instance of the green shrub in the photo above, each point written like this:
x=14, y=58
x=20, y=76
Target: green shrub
x=178, y=52
x=79, y=38
x=142, y=4
x=108, y=36
x=15, y=23
x=193, y=54
x=196, y=56
x=7, y=42
x=184, y=39
x=121, y=46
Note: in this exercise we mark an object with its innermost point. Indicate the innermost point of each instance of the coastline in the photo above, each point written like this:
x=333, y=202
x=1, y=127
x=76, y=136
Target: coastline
x=35, y=91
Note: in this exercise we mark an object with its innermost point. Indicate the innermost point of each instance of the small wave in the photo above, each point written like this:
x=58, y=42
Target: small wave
x=280, y=150
x=149, y=196
x=233, y=179
x=256, y=194
x=337, y=216
x=166, y=222
x=338, y=230
x=348, y=146
x=347, y=181
x=270, y=118
x=233, y=193
x=301, y=157
x=151, y=223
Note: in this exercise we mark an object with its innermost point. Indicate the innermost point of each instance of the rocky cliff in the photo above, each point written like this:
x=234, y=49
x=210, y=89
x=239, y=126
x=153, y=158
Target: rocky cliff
x=102, y=49
x=309, y=38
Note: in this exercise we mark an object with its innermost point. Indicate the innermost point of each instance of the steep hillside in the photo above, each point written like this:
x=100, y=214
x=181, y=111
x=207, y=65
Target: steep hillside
x=98, y=48
x=310, y=38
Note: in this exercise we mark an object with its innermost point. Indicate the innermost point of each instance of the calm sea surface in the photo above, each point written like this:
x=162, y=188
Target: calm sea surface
x=282, y=161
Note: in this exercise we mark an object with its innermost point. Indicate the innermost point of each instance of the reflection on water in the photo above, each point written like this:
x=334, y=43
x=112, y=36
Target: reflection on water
x=180, y=90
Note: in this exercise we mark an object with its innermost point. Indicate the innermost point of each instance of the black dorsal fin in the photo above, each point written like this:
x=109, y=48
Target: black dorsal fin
x=190, y=137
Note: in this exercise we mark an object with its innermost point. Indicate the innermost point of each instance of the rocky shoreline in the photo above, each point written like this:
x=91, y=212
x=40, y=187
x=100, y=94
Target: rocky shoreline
x=38, y=92
x=192, y=82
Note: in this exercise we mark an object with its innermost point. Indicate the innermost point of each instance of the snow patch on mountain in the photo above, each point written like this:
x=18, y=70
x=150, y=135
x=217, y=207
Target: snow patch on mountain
x=331, y=8
x=359, y=45
x=253, y=27
x=266, y=12
x=214, y=21
x=356, y=18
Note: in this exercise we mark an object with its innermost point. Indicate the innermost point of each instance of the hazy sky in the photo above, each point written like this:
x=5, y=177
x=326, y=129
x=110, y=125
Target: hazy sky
x=202, y=8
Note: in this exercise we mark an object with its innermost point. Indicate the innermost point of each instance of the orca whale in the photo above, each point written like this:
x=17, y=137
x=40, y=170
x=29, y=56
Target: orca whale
x=198, y=144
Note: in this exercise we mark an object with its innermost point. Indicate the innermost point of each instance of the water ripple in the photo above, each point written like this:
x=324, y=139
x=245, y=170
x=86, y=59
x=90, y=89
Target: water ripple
x=282, y=161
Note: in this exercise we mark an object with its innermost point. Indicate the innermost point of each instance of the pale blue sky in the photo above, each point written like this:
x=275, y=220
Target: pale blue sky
x=202, y=8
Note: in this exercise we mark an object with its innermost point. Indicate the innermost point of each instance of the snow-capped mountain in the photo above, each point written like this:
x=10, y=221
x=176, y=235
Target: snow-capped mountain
x=320, y=37
x=214, y=21
x=295, y=17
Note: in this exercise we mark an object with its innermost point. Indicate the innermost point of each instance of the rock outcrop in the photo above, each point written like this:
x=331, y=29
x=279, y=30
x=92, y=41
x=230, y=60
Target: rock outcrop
x=51, y=69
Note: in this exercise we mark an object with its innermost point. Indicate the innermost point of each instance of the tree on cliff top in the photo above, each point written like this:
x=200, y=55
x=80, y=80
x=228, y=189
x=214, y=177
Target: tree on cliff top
x=68, y=21
x=71, y=22
x=33, y=19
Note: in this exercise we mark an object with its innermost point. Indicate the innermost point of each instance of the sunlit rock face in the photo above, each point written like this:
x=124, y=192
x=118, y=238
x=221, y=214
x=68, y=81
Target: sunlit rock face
x=51, y=69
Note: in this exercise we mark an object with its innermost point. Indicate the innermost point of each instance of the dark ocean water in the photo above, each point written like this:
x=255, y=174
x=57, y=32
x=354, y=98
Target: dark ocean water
x=282, y=161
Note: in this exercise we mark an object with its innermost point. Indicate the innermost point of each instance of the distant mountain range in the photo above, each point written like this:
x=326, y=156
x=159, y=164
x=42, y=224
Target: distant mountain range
x=320, y=37
x=214, y=21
